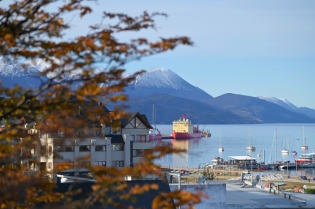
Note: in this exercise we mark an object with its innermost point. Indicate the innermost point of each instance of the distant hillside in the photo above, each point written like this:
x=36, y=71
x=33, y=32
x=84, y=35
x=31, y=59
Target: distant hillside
x=165, y=81
x=288, y=105
x=173, y=97
x=257, y=109
x=170, y=108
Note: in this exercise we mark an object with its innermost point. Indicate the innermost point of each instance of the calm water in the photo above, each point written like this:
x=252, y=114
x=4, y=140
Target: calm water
x=267, y=138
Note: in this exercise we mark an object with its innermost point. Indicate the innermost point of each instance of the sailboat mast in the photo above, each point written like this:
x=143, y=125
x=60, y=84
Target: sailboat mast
x=190, y=114
x=154, y=115
x=276, y=145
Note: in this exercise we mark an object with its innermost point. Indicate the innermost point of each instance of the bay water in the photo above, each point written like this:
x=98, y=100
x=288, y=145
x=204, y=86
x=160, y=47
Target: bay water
x=269, y=140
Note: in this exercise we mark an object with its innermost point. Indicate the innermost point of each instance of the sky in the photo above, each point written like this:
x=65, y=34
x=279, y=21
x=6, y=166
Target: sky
x=254, y=48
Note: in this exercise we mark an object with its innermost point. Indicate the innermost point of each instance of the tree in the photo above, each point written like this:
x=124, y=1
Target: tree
x=36, y=29
x=210, y=175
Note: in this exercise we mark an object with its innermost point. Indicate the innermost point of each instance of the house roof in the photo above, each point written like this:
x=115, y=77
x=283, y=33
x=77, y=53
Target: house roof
x=143, y=201
x=142, y=118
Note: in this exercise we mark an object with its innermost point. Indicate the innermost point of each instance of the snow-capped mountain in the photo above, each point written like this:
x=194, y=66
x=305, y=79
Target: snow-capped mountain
x=16, y=69
x=23, y=74
x=162, y=78
x=165, y=81
x=288, y=105
x=282, y=102
x=28, y=74
x=163, y=87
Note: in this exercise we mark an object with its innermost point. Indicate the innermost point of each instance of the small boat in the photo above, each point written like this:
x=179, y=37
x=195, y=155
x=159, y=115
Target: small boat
x=262, y=166
x=154, y=134
x=285, y=151
x=304, y=146
x=294, y=153
x=250, y=147
x=221, y=149
x=206, y=134
x=287, y=165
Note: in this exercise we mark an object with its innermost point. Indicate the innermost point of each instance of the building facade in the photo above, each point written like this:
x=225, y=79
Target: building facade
x=104, y=146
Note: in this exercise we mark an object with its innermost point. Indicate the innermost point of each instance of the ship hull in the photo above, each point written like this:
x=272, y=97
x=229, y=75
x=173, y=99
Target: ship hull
x=155, y=137
x=178, y=135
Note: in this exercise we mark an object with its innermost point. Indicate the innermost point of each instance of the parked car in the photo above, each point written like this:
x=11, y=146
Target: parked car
x=302, y=177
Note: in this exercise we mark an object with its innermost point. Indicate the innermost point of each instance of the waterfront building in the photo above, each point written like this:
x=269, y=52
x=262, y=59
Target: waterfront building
x=119, y=146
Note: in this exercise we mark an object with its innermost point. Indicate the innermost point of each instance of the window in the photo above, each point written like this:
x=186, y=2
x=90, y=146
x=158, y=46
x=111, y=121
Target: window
x=118, y=147
x=100, y=148
x=85, y=148
x=49, y=165
x=132, y=138
x=138, y=153
x=67, y=148
x=43, y=150
x=140, y=138
x=100, y=163
x=118, y=163
x=49, y=149
x=33, y=149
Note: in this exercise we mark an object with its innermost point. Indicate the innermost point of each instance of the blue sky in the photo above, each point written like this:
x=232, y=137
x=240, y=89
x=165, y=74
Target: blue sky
x=254, y=48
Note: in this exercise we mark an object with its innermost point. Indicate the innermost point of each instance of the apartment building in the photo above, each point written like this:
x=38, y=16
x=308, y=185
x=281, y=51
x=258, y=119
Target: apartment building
x=105, y=145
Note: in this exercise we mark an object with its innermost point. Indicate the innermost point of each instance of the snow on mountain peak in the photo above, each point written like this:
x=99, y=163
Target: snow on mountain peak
x=14, y=68
x=161, y=77
x=282, y=102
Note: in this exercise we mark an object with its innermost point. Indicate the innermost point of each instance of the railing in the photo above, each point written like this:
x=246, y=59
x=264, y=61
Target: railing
x=291, y=196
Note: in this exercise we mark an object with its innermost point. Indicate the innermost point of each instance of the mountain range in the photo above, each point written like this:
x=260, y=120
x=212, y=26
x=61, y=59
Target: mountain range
x=174, y=96
x=171, y=96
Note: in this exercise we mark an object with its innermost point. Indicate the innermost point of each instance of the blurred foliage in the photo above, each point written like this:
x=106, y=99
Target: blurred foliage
x=36, y=29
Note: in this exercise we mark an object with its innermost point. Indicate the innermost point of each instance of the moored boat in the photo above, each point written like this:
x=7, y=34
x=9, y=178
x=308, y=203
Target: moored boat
x=155, y=134
x=306, y=158
x=304, y=147
x=285, y=151
x=183, y=129
x=294, y=153
x=221, y=149
x=307, y=165
x=250, y=147
x=287, y=165
x=262, y=166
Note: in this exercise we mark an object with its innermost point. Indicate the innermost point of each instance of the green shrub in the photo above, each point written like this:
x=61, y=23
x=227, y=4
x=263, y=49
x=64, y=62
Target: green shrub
x=310, y=190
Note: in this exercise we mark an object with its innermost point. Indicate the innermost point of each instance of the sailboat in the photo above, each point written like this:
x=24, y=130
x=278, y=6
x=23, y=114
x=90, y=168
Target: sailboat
x=250, y=147
x=304, y=146
x=221, y=149
x=284, y=151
